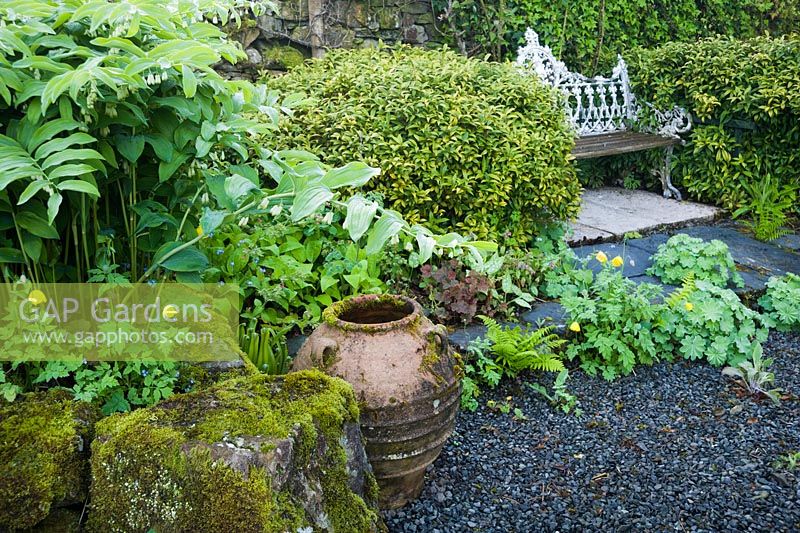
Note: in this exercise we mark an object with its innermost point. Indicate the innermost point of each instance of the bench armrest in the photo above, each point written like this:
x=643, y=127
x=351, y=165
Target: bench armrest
x=668, y=123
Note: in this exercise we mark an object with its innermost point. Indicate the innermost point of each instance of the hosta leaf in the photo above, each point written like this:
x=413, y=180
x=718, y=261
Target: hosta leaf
x=237, y=186
x=11, y=255
x=167, y=170
x=211, y=220
x=32, y=245
x=426, y=245
x=130, y=146
x=189, y=259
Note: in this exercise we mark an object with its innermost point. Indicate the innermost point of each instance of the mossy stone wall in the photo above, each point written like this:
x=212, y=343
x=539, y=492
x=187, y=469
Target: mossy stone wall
x=43, y=456
x=281, y=40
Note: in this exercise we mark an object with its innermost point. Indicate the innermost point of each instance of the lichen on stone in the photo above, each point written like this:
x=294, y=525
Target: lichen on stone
x=44, y=441
x=256, y=453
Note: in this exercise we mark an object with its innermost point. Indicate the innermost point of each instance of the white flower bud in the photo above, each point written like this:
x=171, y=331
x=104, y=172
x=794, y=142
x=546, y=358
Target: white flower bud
x=243, y=221
x=276, y=210
x=328, y=218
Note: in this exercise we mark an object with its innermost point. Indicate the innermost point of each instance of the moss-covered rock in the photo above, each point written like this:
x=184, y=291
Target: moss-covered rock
x=44, y=443
x=256, y=453
x=60, y=520
x=282, y=57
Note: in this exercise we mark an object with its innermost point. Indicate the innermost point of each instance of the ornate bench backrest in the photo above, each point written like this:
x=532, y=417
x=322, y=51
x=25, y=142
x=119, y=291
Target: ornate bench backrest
x=594, y=105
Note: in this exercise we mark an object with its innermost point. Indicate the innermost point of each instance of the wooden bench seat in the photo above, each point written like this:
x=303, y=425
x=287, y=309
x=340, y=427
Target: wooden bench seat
x=619, y=142
x=605, y=113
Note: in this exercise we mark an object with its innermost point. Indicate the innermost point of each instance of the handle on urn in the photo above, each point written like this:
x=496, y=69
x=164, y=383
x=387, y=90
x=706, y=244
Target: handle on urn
x=323, y=352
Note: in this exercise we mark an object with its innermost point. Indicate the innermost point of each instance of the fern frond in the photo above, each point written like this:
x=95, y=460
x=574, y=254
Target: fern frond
x=516, y=349
x=688, y=287
x=769, y=224
x=548, y=362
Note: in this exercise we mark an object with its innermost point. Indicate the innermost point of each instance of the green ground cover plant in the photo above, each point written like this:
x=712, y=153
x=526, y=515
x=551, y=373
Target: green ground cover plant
x=613, y=324
x=616, y=324
x=781, y=302
x=706, y=322
x=683, y=255
x=463, y=144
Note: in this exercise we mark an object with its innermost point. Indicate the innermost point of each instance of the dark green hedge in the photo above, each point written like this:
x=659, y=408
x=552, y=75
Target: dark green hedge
x=592, y=32
x=463, y=144
x=745, y=99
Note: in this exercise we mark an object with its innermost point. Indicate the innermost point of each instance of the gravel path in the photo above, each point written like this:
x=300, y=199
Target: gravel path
x=672, y=448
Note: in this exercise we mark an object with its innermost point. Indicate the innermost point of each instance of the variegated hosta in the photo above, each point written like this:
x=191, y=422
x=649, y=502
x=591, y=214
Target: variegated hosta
x=113, y=122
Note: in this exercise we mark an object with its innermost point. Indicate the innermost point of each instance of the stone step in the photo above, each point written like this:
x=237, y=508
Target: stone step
x=608, y=213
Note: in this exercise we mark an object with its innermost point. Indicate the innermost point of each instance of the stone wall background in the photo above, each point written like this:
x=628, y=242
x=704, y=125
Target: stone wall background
x=278, y=41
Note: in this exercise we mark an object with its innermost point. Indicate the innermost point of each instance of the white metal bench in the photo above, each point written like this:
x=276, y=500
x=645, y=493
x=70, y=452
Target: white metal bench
x=603, y=111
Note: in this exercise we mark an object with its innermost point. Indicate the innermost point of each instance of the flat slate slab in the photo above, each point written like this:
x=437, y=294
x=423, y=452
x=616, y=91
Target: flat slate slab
x=790, y=242
x=608, y=213
x=756, y=261
x=636, y=260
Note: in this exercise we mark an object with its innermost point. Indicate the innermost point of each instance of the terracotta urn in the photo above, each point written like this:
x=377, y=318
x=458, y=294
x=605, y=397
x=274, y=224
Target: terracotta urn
x=405, y=378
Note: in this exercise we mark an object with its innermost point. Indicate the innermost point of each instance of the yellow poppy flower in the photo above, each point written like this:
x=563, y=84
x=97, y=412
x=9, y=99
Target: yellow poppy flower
x=575, y=327
x=688, y=306
x=170, y=311
x=601, y=257
x=199, y=231
x=617, y=262
x=37, y=297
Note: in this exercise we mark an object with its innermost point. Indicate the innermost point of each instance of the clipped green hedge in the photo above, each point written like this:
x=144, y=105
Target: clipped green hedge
x=745, y=100
x=463, y=144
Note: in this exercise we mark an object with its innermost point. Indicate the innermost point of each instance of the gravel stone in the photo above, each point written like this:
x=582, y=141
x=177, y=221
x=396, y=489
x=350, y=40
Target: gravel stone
x=676, y=447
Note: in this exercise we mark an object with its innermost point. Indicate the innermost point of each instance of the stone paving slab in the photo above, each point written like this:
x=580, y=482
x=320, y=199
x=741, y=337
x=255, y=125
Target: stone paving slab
x=757, y=255
x=609, y=213
x=583, y=233
x=790, y=242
